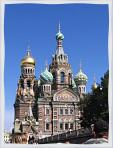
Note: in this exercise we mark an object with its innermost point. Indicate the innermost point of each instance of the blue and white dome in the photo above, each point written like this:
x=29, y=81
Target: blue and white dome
x=46, y=77
x=59, y=36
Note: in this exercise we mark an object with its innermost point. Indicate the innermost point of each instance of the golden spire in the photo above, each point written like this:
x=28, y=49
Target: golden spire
x=94, y=84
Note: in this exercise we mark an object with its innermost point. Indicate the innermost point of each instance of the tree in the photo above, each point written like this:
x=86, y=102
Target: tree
x=95, y=104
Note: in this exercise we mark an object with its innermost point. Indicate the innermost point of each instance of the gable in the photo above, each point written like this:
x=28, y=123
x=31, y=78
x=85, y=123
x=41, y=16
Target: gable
x=65, y=95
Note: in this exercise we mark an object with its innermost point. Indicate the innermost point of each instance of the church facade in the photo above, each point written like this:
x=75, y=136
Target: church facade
x=47, y=106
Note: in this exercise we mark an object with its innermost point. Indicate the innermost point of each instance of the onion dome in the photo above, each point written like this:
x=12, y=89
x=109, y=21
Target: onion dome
x=28, y=59
x=46, y=77
x=59, y=35
x=94, y=86
x=80, y=78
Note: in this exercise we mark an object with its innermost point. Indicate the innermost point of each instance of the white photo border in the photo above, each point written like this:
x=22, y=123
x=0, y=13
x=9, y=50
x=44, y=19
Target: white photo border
x=2, y=60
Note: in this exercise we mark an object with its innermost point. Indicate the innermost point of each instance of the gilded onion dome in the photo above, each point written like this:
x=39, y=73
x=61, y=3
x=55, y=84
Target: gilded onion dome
x=59, y=35
x=81, y=78
x=46, y=77
x=94, y=86
x=28, y=59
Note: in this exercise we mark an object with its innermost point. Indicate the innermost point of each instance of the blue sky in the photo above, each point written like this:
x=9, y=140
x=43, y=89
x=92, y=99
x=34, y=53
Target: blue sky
x=85, y=29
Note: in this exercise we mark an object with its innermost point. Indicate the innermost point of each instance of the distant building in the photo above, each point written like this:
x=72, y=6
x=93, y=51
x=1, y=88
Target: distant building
x=47, y=106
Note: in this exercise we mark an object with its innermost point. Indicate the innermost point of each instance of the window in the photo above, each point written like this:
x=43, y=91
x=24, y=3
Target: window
x=47, y=126
x=28, y=83
x=66, y=111
x=55, y=123
x=66, y=126
x=71, y=125
x=61, y=126
x=55, y=117
x=61, y=111
x=22, y=84
x=79, y=89
x=61, y=56
x=47, y=111
x=62, y=77
x=54, y=77
x=69, y=79
x=55, y=113
x=71, y=111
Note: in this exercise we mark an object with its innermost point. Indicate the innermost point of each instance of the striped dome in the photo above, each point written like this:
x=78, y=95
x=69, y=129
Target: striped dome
x=46, y=77
x=59, y=36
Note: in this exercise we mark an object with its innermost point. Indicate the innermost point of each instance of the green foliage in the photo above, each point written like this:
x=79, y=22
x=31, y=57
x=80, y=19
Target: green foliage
x=95, y=104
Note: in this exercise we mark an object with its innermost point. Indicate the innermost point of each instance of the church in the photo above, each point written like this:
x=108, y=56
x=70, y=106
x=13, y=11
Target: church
x=48, y=105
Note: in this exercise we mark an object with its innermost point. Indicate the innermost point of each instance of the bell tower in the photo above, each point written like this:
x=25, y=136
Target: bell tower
x=25, y=92
x=60, y=68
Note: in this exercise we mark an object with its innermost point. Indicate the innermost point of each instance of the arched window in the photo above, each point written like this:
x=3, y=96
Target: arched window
x=62, y=77
x=66, y=126
x=69, y=79
x=71, y=126
x=22, y=84
x=54, y=77
x=47, y=126
x=61, y=126
x=66, y=111
x=61, y=111
x=47, y=111
x=28, y=83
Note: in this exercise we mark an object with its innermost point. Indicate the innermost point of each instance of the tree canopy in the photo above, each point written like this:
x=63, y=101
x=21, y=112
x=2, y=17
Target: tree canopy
x=94, y=105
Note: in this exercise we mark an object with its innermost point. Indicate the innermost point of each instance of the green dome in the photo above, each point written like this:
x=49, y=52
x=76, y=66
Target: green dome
x=46, y=77
x=59, y=36
x=81, y=78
